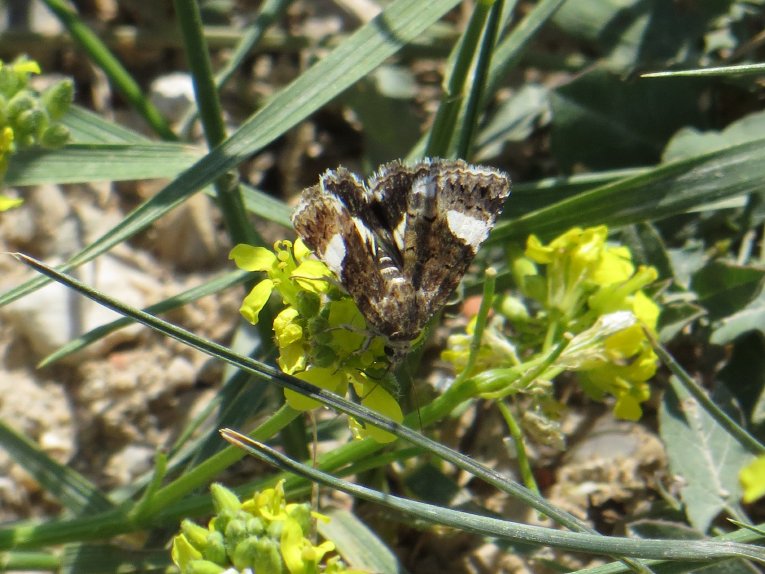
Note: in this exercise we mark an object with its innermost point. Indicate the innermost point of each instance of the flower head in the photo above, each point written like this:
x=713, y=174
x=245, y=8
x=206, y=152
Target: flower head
x=577, y=286
x=321, y=334
x=262, y=534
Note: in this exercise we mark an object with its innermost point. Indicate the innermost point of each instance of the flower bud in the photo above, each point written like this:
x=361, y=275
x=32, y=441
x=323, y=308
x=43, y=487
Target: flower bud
x=224, y=499
x=261, y=555
x=58, y=98
x=55, y=136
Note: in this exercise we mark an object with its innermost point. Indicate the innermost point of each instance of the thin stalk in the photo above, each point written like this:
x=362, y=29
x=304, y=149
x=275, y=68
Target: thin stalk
x=488, y=526
x=227, y=190
x=520, y=448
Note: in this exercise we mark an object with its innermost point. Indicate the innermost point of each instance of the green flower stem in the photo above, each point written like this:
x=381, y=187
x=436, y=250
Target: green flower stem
x=100, y=54
x=489, y=287
x=29, y=561
x=520, y=448
x=227, y=190
x=732, y=427
x=498, y=383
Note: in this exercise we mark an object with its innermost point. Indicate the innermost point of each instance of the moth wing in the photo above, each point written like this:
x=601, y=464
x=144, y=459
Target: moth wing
x=336, y=221
x=451, y=210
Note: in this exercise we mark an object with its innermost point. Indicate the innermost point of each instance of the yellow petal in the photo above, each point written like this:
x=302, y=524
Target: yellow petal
x=329, y=379
x=312, y=275
x=379, y=400
x=256, y=300
x=291, y=544
x=7, y=203
x=286, y=329
x=645, y=310
x=292, y=358
x=251, y=258
x=752, y=478
x=538, y=252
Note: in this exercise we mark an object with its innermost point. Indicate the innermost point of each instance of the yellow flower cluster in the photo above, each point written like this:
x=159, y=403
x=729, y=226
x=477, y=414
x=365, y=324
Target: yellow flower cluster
x=577, y=286
x=27, y=118
x=585, y=279
x=321, y=335
x=262, y=534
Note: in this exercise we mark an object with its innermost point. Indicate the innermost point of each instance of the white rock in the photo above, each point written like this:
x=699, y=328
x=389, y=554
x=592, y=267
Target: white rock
x=53, y=315
x=173, y=94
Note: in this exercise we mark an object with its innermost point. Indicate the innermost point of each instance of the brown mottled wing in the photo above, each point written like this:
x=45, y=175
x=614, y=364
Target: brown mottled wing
x=452, y=208
x=336, y=221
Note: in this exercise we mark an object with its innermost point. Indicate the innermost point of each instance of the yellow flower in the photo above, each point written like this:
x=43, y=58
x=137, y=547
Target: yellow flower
x=374, y=396
x=752, y=478
x=289, y=273
x=264, y=534
x=325, y=378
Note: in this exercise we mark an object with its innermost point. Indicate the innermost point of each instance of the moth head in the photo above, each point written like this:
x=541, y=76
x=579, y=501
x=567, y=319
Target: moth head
x=396, y=350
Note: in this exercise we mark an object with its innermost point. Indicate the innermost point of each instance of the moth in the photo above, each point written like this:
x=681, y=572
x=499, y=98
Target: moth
x=401, y=241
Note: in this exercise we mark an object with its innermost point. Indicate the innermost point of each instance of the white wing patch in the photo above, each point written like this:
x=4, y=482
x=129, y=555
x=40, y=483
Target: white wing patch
x=334, y=254
x=471, y=230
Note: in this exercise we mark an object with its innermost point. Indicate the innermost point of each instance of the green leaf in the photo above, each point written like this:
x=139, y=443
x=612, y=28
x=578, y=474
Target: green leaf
x=703, y=454
x=724, y=288
x=750, y=318
x=70, y=488
x=89, y=128
x=629, y=32
x=603, y=121
x=360, y=548
x=81, y=163
x=651, y=195
x=689, y=142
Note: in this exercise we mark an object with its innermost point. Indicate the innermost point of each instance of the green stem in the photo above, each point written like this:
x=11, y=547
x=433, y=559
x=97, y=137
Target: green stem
x=211, y=468
x=29, y=561
x=489, y=287
x=227, y=191
x=520, y=448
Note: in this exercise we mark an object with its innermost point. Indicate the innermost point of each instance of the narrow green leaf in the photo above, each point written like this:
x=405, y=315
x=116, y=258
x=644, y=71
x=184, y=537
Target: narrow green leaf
x=68, y=486
x=87, y=127
x=741, y=70
x=657, y=193
x=79, y=163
